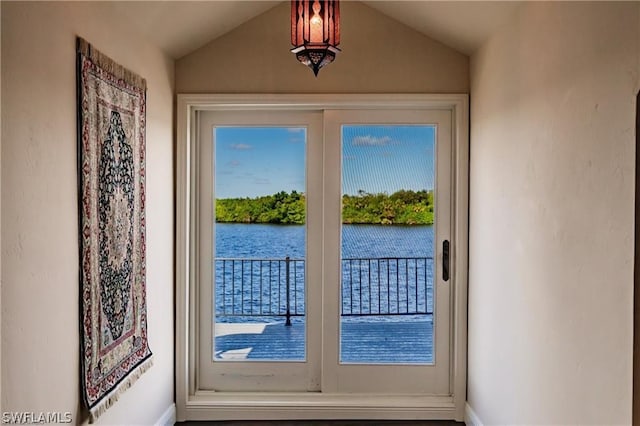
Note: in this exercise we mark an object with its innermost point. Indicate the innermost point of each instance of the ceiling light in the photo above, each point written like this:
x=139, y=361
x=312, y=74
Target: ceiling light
x=315, y=32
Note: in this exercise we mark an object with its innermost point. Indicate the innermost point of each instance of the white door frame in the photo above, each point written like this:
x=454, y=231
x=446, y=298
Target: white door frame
x=195, y=404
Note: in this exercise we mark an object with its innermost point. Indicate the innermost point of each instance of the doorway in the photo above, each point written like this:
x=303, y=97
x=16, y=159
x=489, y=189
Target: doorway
x=333, y=272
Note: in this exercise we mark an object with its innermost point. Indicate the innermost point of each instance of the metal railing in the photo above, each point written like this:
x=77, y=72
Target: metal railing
x=387, y=286
x=260, y=287
x=370, y=286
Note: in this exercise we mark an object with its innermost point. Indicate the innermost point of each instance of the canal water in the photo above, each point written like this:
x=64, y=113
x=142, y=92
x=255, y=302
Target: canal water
x=235, y=240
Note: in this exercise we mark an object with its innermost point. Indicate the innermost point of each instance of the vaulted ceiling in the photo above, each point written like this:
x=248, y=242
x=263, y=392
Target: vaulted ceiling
x=180, y=27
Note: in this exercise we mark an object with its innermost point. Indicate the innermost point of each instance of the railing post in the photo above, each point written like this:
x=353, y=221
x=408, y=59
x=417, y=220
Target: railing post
x=288, y=322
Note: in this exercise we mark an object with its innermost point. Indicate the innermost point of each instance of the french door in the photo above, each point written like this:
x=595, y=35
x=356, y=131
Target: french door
x=324, y=251
x=386, y=308
x=321, y=256
x=261, y=255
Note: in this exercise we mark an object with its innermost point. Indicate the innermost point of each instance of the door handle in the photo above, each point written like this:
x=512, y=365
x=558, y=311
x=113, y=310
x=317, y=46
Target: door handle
x=445, y=260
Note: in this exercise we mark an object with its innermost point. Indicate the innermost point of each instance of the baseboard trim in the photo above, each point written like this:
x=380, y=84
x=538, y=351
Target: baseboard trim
x=470, y=416
x=168, y=418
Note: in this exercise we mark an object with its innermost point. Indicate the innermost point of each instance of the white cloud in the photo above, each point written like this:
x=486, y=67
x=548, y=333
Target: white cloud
x=369, y=140
x=240, y=146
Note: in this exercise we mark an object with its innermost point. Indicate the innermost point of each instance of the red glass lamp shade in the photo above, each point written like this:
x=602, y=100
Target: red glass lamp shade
x=315, y=31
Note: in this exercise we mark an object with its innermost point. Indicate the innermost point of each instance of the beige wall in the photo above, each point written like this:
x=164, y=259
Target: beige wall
x=636, y=345
x=40, y=290
x=636, y=277
x=551, y=216
x=1, y=399
x=380, y=56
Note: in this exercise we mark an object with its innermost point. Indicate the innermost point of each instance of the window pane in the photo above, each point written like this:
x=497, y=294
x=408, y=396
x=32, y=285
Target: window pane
x=260, y=243
x=388, y=183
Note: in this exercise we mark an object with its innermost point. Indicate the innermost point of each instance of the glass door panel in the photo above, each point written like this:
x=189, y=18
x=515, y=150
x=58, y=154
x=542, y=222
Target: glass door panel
x=260, y=244
x=387, y=305
x=388, y=182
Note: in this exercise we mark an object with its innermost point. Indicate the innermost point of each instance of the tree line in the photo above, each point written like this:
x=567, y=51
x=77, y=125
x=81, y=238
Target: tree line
x=404, y=207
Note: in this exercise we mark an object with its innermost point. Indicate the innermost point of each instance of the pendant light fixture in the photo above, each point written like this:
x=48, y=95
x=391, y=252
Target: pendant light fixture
x=315, y=32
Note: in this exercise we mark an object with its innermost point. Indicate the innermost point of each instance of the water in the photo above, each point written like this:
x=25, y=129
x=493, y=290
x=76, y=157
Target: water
x=237, y=240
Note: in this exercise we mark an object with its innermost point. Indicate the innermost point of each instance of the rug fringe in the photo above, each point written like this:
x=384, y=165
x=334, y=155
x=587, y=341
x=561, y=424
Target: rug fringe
x=109, y=65
x=113, y=396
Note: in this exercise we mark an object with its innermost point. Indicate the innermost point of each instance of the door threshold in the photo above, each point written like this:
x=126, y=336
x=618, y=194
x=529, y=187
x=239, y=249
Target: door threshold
x=211, y=405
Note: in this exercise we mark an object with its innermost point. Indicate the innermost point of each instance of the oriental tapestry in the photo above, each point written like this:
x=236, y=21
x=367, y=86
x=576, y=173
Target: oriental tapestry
x=111, y=174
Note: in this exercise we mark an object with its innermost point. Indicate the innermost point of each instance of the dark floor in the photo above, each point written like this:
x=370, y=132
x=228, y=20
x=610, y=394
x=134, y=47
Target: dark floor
x=327, y=423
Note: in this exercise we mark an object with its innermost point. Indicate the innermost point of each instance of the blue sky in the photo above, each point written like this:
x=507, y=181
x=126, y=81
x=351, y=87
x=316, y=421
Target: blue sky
x=255, y=161
x=387, y=158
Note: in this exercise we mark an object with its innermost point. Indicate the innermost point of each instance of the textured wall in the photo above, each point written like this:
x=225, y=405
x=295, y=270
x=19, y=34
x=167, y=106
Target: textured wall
x=380, y=56
x=552, y=198
x=0, y=222
x=40, y=289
